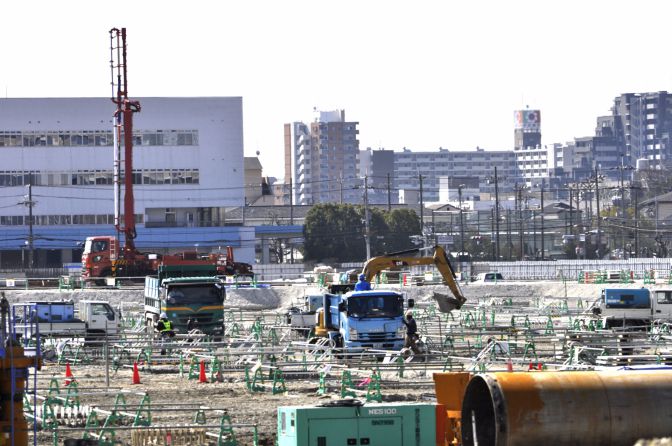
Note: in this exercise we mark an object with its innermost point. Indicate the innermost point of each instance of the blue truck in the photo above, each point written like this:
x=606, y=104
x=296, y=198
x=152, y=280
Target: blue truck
x=374, y=319
x=627, y=307
x=363, y=319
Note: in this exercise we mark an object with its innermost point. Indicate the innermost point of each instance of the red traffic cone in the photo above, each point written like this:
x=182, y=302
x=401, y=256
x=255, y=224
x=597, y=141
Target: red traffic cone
x=136, y=374
x=201, y=376
x=220, y=378
x=530, y=367
x=509, y=366
x=540, y=366
x=68, y=374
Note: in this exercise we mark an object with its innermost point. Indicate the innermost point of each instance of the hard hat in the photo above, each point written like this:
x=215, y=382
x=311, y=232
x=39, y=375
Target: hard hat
x=362, y=277
x=163, y=316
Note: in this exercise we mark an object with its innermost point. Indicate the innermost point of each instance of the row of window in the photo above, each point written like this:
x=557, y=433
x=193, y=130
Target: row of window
x=94, y=177
x=88, y=138
x=457, y=157
x=46, y=220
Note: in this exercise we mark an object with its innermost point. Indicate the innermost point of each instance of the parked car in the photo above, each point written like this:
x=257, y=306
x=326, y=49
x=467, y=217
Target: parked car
x=492, y=277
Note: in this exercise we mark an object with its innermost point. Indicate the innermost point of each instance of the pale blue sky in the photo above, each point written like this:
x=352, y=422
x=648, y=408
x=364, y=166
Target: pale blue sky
x=418, y=74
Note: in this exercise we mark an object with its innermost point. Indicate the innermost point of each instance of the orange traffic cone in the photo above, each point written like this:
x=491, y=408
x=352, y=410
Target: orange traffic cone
x=201, y=376
x=509, y=366
x=136, y=374
x=68, y=374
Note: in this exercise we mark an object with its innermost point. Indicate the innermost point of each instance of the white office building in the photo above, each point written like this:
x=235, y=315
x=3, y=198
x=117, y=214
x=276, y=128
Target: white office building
x=187, y=168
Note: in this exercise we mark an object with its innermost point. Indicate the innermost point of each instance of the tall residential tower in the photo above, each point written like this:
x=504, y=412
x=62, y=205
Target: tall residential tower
x=322, y=159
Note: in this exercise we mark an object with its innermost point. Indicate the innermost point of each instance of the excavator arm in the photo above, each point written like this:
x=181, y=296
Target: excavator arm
x=446, y=304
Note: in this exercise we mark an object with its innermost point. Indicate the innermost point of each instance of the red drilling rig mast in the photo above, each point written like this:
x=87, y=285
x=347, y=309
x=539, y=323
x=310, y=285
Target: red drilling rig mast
x=123, y=129
x=103, y=256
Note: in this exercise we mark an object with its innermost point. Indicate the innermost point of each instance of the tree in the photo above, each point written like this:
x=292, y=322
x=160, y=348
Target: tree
x=334, y=232
x=378, y=230
x=401, y=225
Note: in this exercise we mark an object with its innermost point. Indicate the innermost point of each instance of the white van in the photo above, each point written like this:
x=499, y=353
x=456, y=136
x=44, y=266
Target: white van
x=492, y=277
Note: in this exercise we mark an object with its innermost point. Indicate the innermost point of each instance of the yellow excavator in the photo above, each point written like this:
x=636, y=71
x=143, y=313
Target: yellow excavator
x=398, y=260
x=333, y=303
x=389, y=261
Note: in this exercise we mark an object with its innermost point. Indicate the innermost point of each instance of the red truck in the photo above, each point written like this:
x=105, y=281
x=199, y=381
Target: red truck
x=103, y=258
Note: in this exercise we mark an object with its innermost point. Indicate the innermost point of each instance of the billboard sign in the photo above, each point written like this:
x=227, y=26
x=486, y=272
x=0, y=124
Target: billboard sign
x=527, y=120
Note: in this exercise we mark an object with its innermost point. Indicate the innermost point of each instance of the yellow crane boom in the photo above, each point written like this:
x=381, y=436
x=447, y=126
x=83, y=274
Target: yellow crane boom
x=446, y=304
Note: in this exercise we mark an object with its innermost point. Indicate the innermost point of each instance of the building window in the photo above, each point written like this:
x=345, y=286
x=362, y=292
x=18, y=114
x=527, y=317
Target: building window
x=96, y=138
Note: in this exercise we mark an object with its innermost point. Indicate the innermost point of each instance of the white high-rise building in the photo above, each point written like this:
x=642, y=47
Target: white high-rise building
x=322, y=159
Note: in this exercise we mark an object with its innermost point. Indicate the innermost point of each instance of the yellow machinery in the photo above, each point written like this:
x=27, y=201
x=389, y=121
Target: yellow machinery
x=446, y=303
x=391, y=261
x=555, y=408
x=14, y=366
x=321, y=330
x=449, y=389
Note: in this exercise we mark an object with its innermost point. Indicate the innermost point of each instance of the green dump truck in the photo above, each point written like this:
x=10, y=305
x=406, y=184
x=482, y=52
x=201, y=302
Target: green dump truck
x=184, y=293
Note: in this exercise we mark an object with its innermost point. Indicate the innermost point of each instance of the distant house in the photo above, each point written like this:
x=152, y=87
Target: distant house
x=659, y=207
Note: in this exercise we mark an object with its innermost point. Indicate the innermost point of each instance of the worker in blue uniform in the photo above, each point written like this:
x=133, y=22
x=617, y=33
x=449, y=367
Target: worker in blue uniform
x=362, y=284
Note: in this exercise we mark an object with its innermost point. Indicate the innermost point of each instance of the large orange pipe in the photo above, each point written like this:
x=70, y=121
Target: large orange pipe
x=567, y=408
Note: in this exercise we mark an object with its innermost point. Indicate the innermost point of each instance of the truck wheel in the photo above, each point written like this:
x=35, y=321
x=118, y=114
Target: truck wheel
x=102, y=280
x=338, y=348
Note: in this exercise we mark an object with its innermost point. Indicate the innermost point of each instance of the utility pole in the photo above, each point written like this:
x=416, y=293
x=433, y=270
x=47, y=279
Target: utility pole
x=534, y=235
x=597, y=198
x=367, y=236
x=636, y=221
x=291, y=217
x=340, y=181
x=509, y=243
x=519, y=208
x=622, y=208
x=31, y=250
x=291, y=202
x=492, y=232
x=543, y=182
x=571, y=219
x=389, y=194
x=497, y=213
x=422, y=213
x=459, y=192
x=28, y=201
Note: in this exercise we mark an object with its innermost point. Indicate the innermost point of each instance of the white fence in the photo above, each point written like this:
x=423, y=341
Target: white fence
x=570, y=269
x=526, y=270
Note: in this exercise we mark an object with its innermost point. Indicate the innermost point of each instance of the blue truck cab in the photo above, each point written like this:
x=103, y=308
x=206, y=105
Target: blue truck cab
x=366, y=319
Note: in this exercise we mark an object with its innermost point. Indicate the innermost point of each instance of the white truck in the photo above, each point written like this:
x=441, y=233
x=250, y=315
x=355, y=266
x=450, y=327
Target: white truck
x=627, y=307
x=302, y=318
x=58, y=319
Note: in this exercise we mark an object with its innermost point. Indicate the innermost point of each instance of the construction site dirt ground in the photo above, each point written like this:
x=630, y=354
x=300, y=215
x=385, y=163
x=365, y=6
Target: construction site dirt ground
x=168, y=390
x=231, y=395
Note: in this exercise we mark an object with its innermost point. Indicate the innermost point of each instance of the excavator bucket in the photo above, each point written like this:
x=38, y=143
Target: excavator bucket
x=446, y=303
